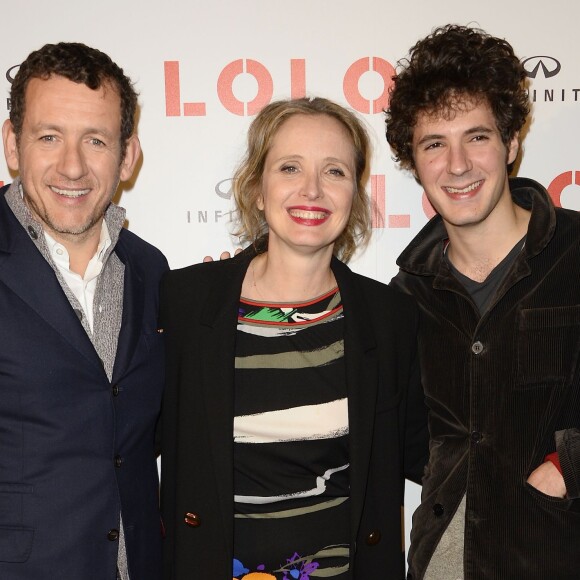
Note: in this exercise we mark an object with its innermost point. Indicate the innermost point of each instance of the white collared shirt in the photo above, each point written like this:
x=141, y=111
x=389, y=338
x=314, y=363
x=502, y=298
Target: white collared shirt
x=83, y=287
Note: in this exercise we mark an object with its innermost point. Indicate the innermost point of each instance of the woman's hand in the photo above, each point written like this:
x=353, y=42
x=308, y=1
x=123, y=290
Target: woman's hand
x=223, y=256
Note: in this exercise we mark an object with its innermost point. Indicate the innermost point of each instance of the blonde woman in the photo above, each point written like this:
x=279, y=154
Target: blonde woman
x=293, y=410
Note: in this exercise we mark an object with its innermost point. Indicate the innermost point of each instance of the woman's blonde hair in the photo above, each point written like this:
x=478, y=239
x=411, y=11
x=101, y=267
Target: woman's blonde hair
x=247, y=183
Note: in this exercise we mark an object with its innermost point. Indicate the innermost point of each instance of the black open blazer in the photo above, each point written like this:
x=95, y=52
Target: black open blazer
x=387, y=418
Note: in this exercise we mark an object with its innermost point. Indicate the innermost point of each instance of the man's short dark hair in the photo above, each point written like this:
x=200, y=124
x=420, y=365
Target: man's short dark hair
x=78, y=63
x=453, y=67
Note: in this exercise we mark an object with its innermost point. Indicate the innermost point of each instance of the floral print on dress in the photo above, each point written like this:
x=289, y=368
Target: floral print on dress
x=296, y=568
x=301, y=568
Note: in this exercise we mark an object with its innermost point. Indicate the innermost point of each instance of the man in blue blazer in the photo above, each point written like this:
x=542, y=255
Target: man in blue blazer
x=81, y=361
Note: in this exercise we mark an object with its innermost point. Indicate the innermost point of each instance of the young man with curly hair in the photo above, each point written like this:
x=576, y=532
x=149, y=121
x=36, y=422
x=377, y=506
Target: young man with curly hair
x=496, y=276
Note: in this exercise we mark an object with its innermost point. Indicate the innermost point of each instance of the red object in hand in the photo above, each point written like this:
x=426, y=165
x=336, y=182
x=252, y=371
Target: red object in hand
x=553, y=457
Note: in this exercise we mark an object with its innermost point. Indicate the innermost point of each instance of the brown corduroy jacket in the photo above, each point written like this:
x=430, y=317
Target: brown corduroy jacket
x=503, y=390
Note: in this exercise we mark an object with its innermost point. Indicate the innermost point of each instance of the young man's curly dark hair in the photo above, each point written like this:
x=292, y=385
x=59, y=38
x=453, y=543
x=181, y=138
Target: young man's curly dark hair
x=78, y=63
x=453, y=67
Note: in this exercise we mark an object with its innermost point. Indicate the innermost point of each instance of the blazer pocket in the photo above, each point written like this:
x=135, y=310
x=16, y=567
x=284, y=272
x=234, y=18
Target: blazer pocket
x=548, y=344
x=15, y=544
x=15, y=539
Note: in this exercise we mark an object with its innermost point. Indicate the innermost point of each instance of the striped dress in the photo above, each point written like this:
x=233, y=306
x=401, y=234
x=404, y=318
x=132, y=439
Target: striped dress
x=291, y=459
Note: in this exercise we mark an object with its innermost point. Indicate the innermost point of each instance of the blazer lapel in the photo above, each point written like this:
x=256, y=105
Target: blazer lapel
x=362, y=378
x=219, y=323
x=25, y=272
x=133, y=305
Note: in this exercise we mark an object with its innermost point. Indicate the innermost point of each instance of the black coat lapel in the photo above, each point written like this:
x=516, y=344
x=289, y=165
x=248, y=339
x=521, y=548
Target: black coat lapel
x=219, y=323
x=362, y=379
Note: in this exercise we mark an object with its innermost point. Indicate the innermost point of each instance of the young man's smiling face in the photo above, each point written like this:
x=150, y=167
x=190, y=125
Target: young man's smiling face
x=461, y=161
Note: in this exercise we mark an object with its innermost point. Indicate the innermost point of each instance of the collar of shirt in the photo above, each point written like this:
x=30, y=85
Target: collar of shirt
x=84, y=288
x=61, y=257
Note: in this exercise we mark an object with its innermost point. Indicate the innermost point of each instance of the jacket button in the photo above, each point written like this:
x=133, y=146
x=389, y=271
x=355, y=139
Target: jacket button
x=118, y=461
x=115, y=390
x=438, y=510
x=477, y=347
x=113, y=535
x=192, y=520
x=476, y=436
x=373, y=538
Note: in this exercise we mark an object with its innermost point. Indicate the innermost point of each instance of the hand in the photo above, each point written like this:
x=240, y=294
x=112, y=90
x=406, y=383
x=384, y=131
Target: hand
x=547, y=479
x=223, y=255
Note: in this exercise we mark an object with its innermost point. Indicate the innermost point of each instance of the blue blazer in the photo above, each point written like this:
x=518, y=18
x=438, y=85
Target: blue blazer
x=75, y=448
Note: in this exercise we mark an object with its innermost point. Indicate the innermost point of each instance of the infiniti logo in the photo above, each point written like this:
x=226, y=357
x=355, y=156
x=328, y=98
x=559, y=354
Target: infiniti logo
x=224, y=188
x=10, y=74
x=549, y=66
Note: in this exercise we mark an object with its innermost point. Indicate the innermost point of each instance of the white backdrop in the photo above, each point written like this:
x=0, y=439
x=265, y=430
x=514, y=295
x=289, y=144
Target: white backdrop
x=203, y=69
